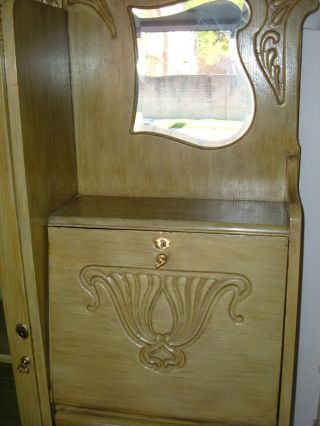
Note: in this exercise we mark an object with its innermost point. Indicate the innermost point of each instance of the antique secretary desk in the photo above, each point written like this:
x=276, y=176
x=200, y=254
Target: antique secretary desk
x=151, y=222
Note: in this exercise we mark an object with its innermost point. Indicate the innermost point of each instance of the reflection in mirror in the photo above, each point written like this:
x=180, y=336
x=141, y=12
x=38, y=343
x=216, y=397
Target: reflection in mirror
x=191, y=84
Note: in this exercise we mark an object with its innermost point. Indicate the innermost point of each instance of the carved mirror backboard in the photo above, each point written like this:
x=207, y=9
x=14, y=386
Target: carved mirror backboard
x=148, y=96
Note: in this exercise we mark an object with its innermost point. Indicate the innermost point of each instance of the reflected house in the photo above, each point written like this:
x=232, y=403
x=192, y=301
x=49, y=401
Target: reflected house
x=189, y=68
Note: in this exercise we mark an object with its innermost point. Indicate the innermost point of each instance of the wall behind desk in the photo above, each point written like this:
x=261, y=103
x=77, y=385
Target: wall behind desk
x=308, y=380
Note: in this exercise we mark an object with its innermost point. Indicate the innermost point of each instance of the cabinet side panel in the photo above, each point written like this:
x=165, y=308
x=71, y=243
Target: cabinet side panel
x=42, y=56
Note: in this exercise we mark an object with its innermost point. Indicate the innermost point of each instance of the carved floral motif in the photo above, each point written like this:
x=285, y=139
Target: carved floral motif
x=280, y=10
x=191, y=300
x=270, y=43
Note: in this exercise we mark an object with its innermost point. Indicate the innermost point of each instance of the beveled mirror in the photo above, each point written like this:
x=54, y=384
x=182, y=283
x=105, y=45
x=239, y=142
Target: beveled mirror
x=190, y=81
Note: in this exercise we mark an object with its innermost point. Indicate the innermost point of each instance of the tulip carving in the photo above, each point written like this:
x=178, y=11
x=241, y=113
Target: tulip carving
x=191, y=300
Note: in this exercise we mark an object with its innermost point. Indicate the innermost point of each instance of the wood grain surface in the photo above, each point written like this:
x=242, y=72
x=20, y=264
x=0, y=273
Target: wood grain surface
x=247, y=217
x=231, y=373
x=38, y=172
x=111, y=161
x=13, y=285
x=69, y=416
x=67, y=84
x=46, y=124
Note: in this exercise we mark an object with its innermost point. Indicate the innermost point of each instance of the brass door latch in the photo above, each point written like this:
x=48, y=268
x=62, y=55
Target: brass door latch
x=23, y=367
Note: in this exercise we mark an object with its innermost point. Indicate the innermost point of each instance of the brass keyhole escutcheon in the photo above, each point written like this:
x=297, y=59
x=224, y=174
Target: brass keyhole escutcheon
x=23, y=367
x=22, y=331
x=161, y=260
x=161, y=243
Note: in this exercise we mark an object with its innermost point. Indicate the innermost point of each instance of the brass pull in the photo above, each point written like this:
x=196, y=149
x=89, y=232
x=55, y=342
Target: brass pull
x=161, y=260
x=23, y=366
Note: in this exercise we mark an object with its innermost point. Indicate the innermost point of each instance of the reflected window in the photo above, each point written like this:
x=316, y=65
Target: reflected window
x=191, y=85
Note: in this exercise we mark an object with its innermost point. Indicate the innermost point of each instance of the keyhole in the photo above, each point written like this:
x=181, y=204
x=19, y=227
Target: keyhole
x=22, y=331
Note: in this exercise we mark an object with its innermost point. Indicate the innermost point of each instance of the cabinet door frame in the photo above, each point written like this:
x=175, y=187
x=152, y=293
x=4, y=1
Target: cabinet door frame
x=18, y=283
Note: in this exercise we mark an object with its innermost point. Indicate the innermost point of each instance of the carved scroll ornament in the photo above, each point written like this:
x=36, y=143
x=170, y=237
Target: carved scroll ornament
x=270, y=45
x=191, y=301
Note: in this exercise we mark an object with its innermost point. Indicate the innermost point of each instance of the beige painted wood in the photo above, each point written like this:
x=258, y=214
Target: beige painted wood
x=46, y=124
x=40, y=173
x=113, y=162
x=232, y=371
x=66, y=416
x=12, y=274
x=174, y=215
x=292, y=297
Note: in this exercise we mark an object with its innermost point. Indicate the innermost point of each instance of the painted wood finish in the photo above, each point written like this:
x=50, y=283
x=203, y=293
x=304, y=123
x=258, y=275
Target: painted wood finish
x=233, y=216
x=67, y=416
x=174, y=215
x=103, y=72
x=223, y=366
x=37, y=174
x=46, y=124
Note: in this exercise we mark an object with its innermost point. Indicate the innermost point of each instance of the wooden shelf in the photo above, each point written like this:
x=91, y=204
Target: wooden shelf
x=4, y=345
x=188, y=215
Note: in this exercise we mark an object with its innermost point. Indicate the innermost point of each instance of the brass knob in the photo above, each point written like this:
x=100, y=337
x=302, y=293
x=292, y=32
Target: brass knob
x=23, y=367
x=161, y=260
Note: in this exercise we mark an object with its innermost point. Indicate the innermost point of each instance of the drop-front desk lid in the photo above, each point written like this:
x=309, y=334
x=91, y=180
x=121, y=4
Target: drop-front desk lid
x=172, y=214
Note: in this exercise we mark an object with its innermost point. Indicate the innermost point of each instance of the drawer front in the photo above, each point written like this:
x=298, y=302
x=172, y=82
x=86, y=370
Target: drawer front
x=198, y=339
x=187, y=251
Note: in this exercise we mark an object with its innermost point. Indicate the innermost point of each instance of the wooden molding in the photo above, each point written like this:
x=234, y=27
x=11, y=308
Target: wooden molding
x=292, y=292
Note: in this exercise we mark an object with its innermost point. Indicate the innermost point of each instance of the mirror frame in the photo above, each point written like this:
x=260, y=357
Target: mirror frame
x=136, y=79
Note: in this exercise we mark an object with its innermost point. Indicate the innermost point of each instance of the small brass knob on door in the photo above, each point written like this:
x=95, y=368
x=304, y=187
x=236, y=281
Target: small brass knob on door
x=23, y=367
x=161, y=260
